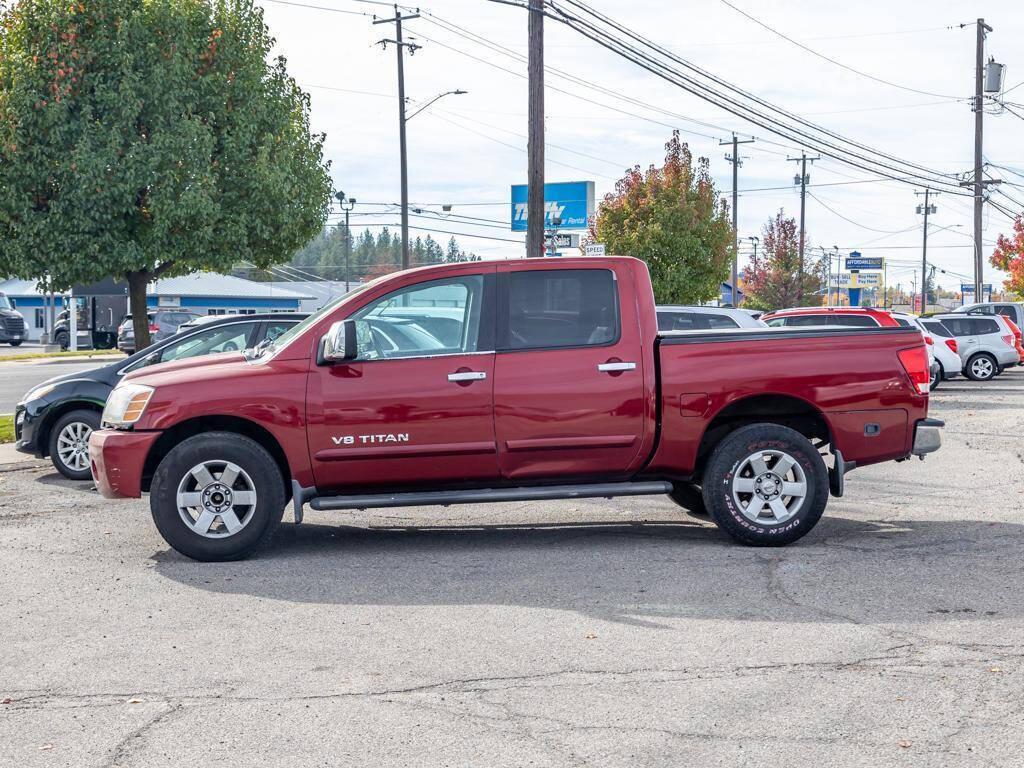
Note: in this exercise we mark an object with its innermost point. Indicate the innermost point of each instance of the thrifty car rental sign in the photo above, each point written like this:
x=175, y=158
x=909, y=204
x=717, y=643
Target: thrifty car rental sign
x=571, y=201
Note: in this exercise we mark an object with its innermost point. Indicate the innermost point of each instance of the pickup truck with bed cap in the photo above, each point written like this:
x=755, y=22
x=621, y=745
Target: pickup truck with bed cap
x=557, y=384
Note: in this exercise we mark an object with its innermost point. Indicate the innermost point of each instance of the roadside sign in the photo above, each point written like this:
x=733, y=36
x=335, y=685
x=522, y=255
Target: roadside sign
x=563, y=240
x=594, y=249
x=570, y=201
x=969, y=288
x=865, y=262
x=858, y=279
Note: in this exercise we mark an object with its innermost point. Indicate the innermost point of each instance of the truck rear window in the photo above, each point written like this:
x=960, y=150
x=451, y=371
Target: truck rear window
x=561, y=308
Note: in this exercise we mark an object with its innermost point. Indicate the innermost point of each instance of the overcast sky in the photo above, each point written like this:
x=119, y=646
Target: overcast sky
x=466, y=150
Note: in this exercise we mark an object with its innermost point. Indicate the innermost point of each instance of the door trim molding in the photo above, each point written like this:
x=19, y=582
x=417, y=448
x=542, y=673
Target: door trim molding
x=405, y=451
x=563, y=443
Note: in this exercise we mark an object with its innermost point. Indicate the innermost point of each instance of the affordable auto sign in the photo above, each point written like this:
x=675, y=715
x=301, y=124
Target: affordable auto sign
x=570, y=201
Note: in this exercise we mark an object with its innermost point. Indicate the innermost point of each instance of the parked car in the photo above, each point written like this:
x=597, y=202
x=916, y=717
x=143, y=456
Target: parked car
x=12, y=324
x=163, y=323
x=675, y=318
x=56, y=418
x=1011, y=309
x=985, y=344
x=560, y=386
x=1018, y=339
x=851, y=317
x=905, y=320
x=945, y=349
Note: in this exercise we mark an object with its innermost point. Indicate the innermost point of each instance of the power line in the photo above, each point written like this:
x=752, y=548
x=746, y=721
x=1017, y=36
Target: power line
x=744, y=111
x=831, y=60
x=833, y=211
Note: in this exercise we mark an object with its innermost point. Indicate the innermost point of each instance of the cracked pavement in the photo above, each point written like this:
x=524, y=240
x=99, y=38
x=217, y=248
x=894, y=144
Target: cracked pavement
x=549, y=634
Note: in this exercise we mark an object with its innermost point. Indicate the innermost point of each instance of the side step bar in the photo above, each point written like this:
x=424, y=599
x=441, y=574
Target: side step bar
x=477, y=495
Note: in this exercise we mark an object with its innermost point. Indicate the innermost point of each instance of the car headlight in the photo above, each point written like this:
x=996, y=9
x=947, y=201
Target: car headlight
x=126, y=405
x=38, y=392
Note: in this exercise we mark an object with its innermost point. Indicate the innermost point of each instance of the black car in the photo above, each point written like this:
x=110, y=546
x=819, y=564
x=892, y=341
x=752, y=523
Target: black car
x=56, y=417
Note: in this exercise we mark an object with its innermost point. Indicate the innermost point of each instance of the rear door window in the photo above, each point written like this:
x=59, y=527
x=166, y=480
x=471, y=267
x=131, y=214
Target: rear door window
x=982, y=326
x=959, y=326
x=720, y=321
x=855, y=321
x=550, y=308
x=677, y=321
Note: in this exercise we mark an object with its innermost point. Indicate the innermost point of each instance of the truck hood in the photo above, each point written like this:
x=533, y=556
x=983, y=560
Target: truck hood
x=182, y=370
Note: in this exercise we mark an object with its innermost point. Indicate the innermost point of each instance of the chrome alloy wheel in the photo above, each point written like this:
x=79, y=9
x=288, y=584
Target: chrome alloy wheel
x=73, y=446
x=216, y=499
x=982, y=368
x=769, y=487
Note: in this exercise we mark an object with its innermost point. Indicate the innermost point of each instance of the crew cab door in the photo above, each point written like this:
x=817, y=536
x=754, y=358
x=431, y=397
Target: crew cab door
x=412, y=408
x=569, y=373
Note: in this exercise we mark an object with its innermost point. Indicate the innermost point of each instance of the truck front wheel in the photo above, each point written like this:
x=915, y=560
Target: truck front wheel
x=765, y=485
x=217, y=496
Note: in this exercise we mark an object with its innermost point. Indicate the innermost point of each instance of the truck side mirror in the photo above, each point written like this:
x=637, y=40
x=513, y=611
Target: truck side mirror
x=14, y=303
x=338, y=345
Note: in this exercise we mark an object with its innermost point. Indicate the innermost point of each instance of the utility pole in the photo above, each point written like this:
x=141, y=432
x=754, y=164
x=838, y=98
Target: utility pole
x=926, y=209
x=399, y=46
x=734, y=158
x=535, y=140
x=979, y=111
x=802, y=181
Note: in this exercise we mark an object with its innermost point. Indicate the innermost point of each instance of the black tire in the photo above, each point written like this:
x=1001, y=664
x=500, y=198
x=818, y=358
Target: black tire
x=938, y=378
x=83, y=416
x=63, y=341
x=262, y=518
x=689, y=497
x=15, y=343
x=729, y=458
x=976, y=370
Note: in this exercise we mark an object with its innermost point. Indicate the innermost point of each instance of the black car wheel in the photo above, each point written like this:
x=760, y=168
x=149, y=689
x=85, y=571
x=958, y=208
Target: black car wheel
x=69, y=443
x=63, y=341
x=15, y=343
x=765, y=485
x=217, y=496
x=938, y=376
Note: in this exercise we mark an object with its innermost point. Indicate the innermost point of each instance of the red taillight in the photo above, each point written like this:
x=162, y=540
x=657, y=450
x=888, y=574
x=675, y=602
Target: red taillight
x=153, y=328
x=951, y=343
x=1008, y=339
x=929, y=341
x=915, y=363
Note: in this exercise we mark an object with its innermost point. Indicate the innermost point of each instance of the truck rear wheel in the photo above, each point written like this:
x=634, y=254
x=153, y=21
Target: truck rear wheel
x=217, y=496
x=765, y=485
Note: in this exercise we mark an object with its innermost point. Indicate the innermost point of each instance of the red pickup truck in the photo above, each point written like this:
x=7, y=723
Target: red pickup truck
x=511, y=380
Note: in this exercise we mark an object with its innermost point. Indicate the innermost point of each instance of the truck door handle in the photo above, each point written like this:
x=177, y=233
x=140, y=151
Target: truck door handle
x=616, y=367
x=467, y=376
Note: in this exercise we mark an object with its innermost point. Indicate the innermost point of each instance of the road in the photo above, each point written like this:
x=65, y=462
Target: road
x=19, y=376
x=610, y=633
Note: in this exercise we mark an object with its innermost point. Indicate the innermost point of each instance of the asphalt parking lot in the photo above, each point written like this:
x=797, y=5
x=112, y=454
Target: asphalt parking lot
x=554, y=634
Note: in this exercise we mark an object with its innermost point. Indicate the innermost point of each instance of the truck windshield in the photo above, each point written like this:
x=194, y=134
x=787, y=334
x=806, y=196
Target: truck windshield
x=270, y=346
x=5, y=303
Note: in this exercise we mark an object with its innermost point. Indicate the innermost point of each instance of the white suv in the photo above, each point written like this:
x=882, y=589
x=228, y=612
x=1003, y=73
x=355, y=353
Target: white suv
x=986, y=346
x=947, y=351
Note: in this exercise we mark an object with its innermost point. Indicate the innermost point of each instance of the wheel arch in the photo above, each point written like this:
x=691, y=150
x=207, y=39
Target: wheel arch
x=769, y=408
x=216, y=423
x=54, y=413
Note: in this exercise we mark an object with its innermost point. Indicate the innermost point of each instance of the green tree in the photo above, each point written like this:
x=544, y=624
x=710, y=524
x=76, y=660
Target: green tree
x=150, y=138
x=773, y=279
x=670, y=218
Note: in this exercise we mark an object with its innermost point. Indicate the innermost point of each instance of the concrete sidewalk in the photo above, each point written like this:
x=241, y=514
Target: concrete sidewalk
x=12, y=459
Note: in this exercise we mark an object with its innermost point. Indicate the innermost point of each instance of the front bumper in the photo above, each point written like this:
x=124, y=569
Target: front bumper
x=117, y=459
x=927, y=436
x=27, y=420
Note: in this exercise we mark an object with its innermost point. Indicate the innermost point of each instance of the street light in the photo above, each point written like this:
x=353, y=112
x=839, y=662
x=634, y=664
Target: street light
x=346, y=204
x=405, y=178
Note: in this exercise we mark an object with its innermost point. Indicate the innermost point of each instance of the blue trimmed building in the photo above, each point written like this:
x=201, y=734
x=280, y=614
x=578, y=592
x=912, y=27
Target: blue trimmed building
x=205, y=293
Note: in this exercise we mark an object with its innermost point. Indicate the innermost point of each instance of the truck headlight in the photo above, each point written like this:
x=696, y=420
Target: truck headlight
x=126, y=405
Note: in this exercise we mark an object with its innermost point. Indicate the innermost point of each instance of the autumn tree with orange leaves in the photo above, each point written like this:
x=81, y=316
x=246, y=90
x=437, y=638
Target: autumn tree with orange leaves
x=1009, y=257
x=773, y=279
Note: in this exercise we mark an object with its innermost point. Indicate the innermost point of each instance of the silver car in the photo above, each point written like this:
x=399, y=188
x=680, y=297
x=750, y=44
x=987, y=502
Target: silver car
x=985, y=344
x=163, y=323
x=1012, y=309
x=676, y=318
